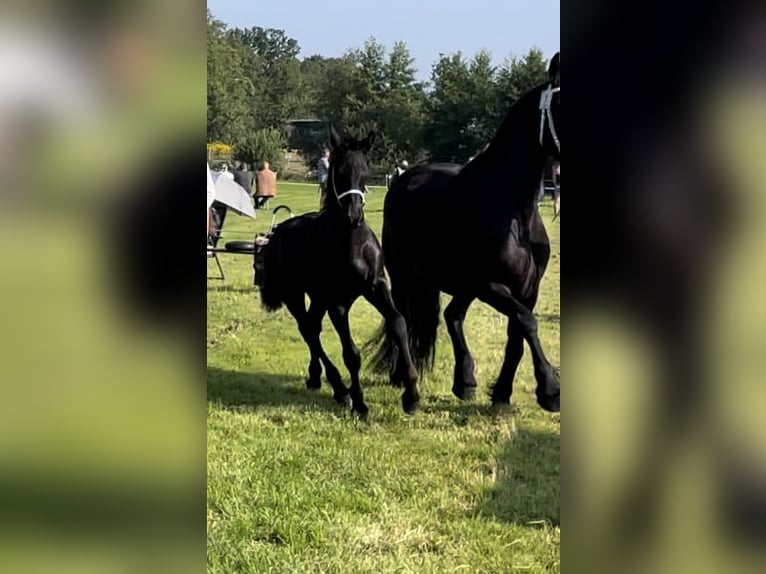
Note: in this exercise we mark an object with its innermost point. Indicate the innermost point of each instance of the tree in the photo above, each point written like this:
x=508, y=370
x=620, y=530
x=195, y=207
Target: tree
x=257, y=83
x=458, y=106
x=228, y=92
x=274, y=70
x=370, y=89
x=401, y=117
x=518, y=76
x=263, y=145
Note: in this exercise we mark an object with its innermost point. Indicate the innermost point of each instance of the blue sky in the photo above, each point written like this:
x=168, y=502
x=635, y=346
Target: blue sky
x=430, y=27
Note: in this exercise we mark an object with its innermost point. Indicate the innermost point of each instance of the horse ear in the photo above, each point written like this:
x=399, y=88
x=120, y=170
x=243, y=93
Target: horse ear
x=554, y=70
x=368, y=141
x=335, y=140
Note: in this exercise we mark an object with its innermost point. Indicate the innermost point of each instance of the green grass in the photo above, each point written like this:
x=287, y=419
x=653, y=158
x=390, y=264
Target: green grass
x=297, y=484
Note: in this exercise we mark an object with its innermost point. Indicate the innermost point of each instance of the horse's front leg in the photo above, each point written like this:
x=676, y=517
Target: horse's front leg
x=500, y=298
x=379, y=296
x=351, y=357
x=514, y=350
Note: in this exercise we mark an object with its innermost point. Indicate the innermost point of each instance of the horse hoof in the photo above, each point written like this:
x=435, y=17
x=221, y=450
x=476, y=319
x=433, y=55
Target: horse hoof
x=343, y=399
x=500, y=401
x=314, y=384
x=410, y=406
x=550, y=403
x=362, y=411
x=501, y=407
x=464, y=393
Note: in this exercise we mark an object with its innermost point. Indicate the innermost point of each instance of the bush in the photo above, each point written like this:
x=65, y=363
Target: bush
x=218, y=149
x=263, y=145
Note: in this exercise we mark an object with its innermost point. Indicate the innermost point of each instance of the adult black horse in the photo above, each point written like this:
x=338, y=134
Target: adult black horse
x=334, y=257
x=498, y=255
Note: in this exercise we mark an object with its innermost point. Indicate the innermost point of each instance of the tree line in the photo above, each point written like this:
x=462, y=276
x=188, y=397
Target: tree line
x=258, y=81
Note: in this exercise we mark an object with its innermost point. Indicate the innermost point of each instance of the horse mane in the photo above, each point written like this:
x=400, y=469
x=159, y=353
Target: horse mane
x=516, y=114
x=506, y=174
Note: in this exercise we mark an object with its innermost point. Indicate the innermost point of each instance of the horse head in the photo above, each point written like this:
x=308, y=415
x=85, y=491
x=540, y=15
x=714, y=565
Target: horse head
x=349, y=168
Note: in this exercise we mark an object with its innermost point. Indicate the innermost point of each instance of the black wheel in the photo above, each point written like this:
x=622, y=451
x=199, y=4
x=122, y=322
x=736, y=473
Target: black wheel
x=241, y=246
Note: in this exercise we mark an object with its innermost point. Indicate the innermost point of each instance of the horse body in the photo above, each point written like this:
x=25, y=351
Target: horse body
x=334, y=258
x=305, y=241
x=483, y=250
x=498, y=254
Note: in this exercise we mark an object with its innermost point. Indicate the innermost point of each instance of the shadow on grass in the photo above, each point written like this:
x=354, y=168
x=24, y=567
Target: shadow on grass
x=223, y=288
x=550, y=318
x=527, y=487
x=253, y=390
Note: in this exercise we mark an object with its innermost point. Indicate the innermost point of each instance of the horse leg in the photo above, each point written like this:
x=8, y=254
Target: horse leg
x=514, y=350
x=464, y=381
x=340, y=392
x=351, y=356
x=310, y=327
x=380, y=298
x=499, y=297
x=309, y=322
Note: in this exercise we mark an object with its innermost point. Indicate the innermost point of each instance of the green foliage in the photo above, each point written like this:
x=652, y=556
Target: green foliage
x=257, y=81
x=228, y=106
x=267, y=144
x=460, y=105
x=516, y=77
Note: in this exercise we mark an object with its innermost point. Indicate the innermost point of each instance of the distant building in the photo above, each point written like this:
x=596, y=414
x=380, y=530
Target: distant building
x=307, y=135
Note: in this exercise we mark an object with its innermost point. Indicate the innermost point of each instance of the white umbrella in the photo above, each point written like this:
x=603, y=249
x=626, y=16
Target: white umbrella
x=210, y=188
x=232, y=194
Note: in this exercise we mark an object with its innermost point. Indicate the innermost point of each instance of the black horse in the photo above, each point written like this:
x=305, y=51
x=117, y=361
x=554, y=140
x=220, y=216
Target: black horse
x=335, y=258
x=499, y=256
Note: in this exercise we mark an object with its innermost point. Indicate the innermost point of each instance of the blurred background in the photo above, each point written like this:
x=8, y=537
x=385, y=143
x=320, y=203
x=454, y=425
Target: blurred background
x=102, y=431
x=665, y=331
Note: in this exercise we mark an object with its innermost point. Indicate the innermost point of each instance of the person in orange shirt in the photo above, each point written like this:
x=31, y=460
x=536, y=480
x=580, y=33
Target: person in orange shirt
x=265, y=185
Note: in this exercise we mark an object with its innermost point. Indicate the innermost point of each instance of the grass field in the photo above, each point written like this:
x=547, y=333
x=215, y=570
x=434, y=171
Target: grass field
x=297, y=484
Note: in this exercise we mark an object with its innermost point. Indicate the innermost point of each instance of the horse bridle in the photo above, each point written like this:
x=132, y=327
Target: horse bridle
x=546, y=98
x=345, y=193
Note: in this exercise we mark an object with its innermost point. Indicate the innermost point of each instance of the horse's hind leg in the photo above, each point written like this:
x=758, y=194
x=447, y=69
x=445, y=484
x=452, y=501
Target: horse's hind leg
x=351, y=356
x=514, y=349
x=310, y=327
x=464, y=381
x=313, y=322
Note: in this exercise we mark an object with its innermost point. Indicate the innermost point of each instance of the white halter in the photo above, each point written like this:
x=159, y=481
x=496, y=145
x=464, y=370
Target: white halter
x=345, y=193
x=546, y=98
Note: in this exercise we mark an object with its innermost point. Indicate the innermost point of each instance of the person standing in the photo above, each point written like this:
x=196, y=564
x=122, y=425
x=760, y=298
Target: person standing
x=323, y=172
x=244, y=177
x=265, y=185
x=557, y=190
x=400, y=168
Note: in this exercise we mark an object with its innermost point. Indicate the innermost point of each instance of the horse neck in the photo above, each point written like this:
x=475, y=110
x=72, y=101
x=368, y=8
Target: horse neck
x=334, y=217
x=514, y=156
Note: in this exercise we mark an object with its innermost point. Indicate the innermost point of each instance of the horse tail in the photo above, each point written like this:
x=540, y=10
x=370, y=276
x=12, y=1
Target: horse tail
x=271, y=293
x=423, y=306
x=420, y=305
